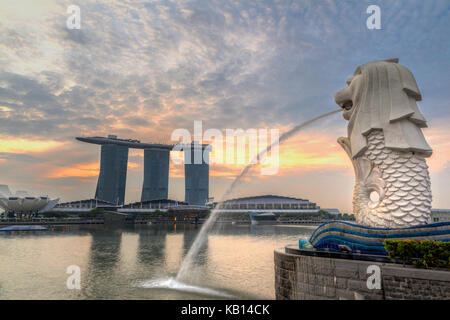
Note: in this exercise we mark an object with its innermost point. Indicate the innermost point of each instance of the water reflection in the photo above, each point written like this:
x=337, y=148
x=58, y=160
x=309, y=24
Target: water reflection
x=189, y=235
x=104, y=255
x=236, y=259
x=151, y=246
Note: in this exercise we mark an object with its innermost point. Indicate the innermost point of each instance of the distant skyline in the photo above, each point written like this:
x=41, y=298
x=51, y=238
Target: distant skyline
x=140, y=70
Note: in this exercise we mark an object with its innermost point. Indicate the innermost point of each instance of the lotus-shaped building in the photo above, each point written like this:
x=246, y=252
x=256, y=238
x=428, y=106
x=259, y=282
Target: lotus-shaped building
x=21, y=203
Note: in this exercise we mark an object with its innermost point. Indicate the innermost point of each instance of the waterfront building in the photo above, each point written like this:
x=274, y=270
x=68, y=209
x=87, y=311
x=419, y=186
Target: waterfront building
x=196, y=170
x=440, y=215
x=84, y=206
x=268, y=203
x=332, y=210
x=113, y=170
x=22, y=203
x=113, y=173
x=151, y=205
x=156, y=174
x=163, y=205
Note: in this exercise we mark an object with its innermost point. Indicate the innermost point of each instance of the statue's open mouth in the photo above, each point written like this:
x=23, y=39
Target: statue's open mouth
x=347, y=105
x=348, y=108
x=344, y=99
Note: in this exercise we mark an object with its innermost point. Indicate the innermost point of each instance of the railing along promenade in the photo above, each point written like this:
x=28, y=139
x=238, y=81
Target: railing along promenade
x=50, y=221
x=144, y=220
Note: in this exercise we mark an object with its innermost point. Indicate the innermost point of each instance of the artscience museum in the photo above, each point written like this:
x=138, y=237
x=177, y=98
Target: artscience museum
x=22, y=204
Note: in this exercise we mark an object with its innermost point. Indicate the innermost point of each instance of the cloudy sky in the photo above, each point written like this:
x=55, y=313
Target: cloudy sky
x=142, y=69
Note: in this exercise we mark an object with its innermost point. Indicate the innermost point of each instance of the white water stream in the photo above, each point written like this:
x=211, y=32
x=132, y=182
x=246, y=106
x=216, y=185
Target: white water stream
x=184, y=274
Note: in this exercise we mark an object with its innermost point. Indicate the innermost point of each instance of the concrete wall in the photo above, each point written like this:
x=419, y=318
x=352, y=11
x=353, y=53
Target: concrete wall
x=299, y=277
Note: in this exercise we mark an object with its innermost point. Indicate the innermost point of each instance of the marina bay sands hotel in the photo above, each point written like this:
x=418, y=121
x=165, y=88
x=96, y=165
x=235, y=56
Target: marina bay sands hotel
x=113, y=170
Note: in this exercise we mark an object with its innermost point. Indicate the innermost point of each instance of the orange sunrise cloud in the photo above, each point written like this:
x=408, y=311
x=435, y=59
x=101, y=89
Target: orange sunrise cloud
x=13, y=145
x=82, y=170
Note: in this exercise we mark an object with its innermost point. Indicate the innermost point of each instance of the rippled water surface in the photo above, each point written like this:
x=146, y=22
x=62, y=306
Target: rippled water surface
x=141, y=262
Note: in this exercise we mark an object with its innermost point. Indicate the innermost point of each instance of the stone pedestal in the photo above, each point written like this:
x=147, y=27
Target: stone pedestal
x=313, y=275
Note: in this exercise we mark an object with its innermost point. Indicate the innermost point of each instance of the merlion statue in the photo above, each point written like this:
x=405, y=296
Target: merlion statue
x=386, y=146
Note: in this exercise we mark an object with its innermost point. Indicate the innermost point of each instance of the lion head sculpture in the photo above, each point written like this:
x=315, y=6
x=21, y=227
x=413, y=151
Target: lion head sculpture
x=382, y=95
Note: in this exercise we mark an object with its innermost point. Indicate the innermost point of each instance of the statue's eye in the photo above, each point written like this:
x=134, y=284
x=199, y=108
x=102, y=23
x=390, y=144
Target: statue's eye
x=349, y=80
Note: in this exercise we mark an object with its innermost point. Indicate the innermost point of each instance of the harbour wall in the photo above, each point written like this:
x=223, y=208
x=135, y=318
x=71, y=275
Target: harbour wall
x=308, y=277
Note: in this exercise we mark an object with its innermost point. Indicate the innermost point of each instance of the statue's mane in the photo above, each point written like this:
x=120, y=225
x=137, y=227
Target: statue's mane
x=388, y=96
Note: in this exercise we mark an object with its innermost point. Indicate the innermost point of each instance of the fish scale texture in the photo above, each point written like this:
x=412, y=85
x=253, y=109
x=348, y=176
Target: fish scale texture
x=407, y=198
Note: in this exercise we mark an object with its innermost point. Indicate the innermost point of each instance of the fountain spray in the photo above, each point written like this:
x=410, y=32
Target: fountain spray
x=187, y=264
